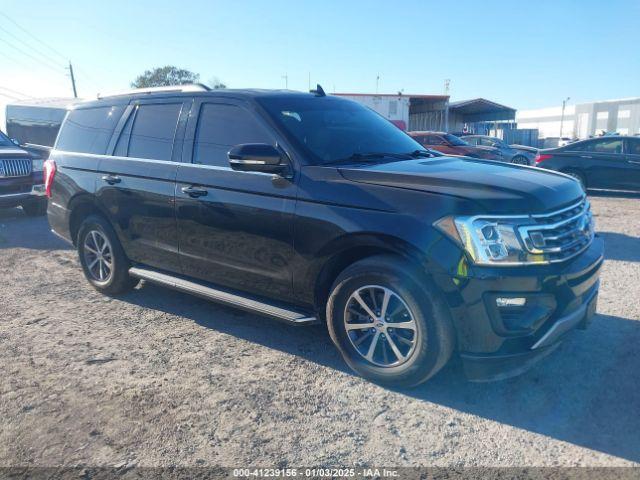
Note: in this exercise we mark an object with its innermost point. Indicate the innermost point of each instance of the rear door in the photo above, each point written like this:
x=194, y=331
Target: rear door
x=602, y=161
x=633, y=163
x=136, y=184
x=235, y=228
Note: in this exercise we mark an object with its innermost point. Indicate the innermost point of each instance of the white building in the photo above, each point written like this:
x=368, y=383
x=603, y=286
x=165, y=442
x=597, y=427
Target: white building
x=584, y=119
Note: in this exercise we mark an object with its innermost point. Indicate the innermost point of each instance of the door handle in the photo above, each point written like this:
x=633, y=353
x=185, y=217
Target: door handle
x=111, y=179
x=634, y=162
x=586, y=156
x=194, y=192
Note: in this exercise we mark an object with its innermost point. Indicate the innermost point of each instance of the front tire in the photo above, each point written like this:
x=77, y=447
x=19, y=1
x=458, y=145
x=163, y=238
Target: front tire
x=389, y=324
x=103, y=260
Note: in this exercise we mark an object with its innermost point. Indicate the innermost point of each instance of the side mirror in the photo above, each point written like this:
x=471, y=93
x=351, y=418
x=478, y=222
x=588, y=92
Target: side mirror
x=257, y=157
x=16, y=142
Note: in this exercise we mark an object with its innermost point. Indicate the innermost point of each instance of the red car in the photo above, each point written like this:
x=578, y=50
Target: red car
x=452, y=145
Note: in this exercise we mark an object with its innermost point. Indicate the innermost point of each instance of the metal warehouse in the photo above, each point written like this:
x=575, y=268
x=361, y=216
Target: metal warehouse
x=437, y=113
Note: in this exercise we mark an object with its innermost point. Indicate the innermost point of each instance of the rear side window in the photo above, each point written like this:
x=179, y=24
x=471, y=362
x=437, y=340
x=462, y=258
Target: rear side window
x=154, y=129
x=89, y=130
x=634, y=147
x=220, y=127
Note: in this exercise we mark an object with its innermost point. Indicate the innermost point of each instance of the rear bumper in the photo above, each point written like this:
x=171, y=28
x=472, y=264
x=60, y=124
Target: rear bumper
x=58, y=217
x=497, y=342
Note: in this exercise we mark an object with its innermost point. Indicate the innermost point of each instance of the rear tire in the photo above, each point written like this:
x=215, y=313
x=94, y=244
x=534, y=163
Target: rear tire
x=35, y=208
x=103, y=260
x=402, y=355
x=520, y=160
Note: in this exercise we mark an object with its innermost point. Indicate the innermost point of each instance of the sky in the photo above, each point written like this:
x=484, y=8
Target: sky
x=524, y=54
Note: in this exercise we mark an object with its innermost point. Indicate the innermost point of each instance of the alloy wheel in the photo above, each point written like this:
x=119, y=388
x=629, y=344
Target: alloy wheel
x=380, y=326
x=98, y=256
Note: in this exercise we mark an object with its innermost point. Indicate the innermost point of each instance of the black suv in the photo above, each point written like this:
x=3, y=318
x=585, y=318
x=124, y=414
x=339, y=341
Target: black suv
x=21, y=181
x=307, y=208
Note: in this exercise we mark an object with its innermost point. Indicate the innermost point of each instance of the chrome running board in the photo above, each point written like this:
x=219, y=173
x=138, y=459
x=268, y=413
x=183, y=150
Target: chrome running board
x=222, y=296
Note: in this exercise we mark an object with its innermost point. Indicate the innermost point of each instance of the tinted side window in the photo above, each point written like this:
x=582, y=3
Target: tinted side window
x=154, y=128
x=222, y=126
x=634, y=146
x=89, y=130
x=608, y=146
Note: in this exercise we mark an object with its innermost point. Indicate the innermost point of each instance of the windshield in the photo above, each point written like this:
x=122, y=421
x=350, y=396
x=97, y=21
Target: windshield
x=5, y=141
x=455, y=141
x=332, y=129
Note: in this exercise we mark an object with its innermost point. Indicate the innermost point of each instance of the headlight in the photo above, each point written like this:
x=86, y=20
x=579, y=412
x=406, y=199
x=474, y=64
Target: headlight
x=487, y=241
x=37, y=164
x=522, y=240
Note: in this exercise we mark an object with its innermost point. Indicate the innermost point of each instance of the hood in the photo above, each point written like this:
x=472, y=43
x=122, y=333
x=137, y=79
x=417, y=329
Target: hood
x=498, y=188
x=13, y=152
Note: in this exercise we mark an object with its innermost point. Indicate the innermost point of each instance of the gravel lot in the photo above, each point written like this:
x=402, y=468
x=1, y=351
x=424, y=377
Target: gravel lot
x=160, y=378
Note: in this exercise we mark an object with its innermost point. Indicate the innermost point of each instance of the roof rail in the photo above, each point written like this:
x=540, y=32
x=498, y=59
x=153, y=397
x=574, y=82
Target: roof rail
x=192, y=87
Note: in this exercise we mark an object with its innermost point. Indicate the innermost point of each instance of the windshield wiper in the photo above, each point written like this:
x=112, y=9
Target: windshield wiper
x=370, y=156
x=422, y=154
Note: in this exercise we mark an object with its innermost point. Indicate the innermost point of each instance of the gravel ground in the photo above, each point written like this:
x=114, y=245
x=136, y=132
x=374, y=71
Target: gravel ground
x=160, y=378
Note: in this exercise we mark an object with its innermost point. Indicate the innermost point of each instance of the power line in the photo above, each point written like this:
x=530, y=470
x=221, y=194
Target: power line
x=55, y=69
x=64, y=57
x=10, y=96
x=15, y=92
x=24, y=44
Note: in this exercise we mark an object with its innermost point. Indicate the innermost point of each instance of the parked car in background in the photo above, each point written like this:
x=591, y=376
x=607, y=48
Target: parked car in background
x=600, y=163
x=21, y=180
x=313, y=208
x=526, y=148
x=553, y=142
x=451, y=145
x=509, y=153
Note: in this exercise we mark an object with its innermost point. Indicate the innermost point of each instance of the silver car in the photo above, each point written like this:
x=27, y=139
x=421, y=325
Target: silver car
x=510, y=153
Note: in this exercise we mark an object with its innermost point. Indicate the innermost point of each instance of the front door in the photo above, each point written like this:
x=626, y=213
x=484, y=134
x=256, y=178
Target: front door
x=235, y=228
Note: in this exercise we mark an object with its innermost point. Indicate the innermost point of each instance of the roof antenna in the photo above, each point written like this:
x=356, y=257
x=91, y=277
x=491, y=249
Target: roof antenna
x=318, y=92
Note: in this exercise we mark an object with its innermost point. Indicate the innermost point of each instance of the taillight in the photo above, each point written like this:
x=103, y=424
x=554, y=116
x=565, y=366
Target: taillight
x=49, y=171
x=543, y=157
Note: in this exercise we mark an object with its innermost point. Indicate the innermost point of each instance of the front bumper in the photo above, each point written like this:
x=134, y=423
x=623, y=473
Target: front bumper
x=16, y=191
x=494, y=344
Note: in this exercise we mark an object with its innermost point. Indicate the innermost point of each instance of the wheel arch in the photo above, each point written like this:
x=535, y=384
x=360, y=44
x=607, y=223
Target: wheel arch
x=81, y=206
x=349, y=249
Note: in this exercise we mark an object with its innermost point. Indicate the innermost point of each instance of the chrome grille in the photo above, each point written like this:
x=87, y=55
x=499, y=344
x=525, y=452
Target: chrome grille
x=559, y=235
x=15, y=167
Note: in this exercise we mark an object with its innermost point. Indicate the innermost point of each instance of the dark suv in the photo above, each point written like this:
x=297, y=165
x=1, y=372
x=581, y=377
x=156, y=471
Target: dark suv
x=308, y=208
x=21, y=182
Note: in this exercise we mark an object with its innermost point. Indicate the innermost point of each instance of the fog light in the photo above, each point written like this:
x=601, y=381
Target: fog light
x=511, y=301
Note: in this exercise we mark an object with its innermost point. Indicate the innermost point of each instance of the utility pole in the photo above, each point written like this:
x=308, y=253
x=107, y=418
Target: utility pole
x=286, y=81
x=447, y=82
x=564, y=104
x=377, y=83
x=73, y=80
x=309, y=80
